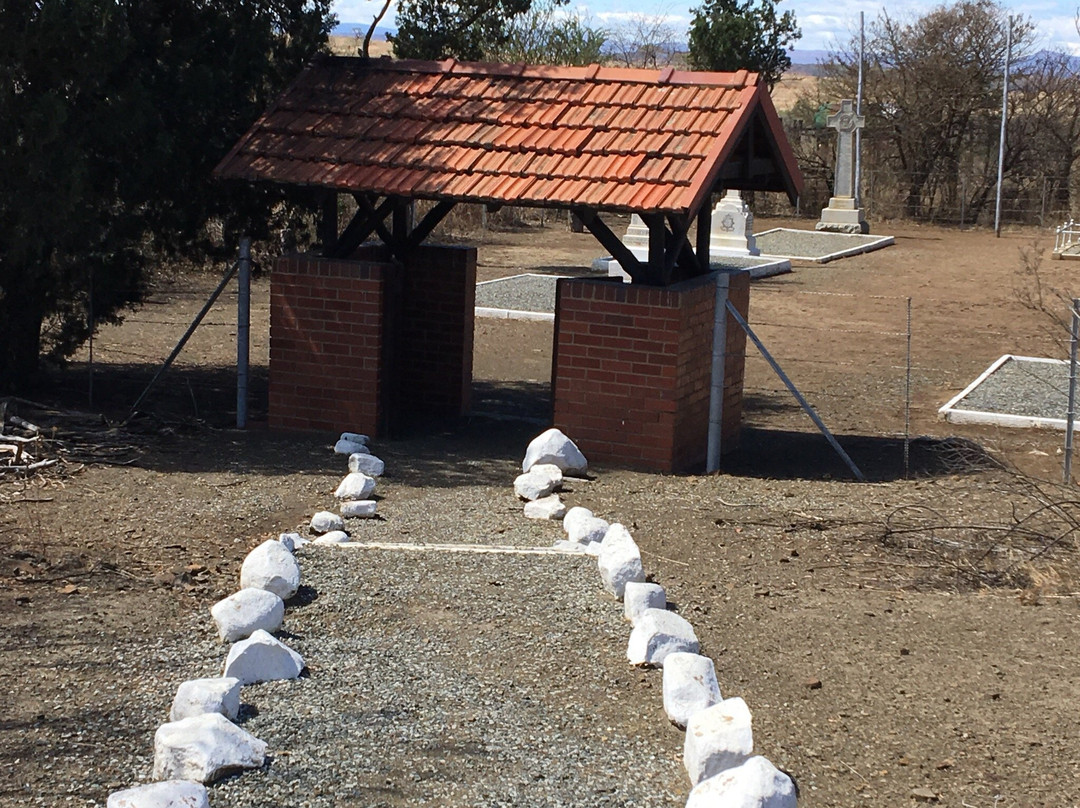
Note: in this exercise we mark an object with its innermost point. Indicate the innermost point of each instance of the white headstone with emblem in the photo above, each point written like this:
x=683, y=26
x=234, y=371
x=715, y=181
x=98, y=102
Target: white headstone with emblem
x=843, y=215
x=732, y=227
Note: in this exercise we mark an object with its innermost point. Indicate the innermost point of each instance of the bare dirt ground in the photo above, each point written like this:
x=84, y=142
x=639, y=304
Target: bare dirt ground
x=910, y=639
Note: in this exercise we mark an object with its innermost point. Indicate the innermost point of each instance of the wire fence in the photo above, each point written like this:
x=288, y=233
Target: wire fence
x=965, y=199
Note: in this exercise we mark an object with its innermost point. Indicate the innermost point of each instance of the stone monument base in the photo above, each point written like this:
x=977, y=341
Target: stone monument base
x=841, y=216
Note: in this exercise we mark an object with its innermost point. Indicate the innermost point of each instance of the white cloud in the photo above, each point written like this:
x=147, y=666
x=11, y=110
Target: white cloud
x=825, y=23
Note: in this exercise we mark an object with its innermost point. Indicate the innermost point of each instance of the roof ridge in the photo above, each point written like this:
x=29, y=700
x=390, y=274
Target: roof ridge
x=586, y=73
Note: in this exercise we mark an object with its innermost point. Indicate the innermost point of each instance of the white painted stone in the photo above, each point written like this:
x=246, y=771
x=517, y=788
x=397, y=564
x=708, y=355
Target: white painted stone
x=717, y=738
x=639, y=596
x=588, y=529
x=592, y=548
x=550, y=507
x=367, y=464
x=167, y=794
x=658, y=633
x=291, y=541
x=220, y=694
x=246, y=611
x=355, y=485
x=349, y=447
x=757, y=783
x=203, y=748
x=356, y=437
x=554, y=447
x=325, y=521
x=262, y=658
x=359, y=508
x=619, y=560
x=538, y=482
x=333, y=537
x=575, y=516
x=567, y=546
x=271, y=567
x=689, y=686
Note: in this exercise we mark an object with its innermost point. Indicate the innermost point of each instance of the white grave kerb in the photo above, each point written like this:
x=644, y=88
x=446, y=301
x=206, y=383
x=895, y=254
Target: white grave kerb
x=841, y=215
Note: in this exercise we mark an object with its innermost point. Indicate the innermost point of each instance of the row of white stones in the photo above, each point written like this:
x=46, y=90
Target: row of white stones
x=718, y=746
x=200, y=743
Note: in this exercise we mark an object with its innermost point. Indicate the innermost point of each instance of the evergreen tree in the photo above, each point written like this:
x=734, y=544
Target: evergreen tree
x=729, y=35
x=113, y=114
x=464, y=29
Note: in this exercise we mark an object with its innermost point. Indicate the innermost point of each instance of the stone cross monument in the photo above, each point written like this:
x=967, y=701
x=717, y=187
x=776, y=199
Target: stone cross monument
x=841, y=216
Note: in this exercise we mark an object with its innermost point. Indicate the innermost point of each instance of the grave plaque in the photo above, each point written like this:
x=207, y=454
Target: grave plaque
x=842, y=215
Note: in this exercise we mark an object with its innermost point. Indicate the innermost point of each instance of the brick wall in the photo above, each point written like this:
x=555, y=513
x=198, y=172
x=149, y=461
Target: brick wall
x=632, y=370
x=368, y=345
x=326, y=324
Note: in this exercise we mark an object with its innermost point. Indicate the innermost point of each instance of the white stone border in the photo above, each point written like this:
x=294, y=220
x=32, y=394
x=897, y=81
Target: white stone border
x=869, y=246
x=517, y=314
x=954, y=415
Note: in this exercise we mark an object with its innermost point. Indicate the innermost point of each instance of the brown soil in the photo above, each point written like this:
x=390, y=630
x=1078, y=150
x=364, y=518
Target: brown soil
x=896, y=641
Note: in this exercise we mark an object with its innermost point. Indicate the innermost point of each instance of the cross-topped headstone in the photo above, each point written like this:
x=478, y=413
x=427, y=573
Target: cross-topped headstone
x=841, y=216
x=845, y=122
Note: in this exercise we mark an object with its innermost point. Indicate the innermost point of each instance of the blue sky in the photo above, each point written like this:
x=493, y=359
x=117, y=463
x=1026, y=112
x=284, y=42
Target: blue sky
x=823, y=22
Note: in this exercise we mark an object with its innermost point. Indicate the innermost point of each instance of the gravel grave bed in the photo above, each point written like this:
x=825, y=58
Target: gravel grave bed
x=1019, y=387
x=519, y=293
x=810, y=244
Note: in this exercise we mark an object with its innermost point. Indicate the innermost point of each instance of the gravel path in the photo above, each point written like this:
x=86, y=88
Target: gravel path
x=1035, y=389
x=434, y=677
x=456, y=679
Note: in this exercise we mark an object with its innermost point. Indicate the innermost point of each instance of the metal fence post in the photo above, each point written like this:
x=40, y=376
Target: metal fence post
x=907, y=398
x=1070, y=416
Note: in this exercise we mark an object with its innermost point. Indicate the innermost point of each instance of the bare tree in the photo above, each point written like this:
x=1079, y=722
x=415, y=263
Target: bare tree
x=643, y=40
x=933, y=95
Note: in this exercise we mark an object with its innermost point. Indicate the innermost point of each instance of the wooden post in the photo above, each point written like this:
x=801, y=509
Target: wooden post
x=704, y=234
x=328, y=222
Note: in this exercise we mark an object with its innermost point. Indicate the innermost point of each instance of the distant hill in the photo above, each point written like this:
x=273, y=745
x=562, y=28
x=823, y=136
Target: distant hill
x=350, y=28
x=807, y=62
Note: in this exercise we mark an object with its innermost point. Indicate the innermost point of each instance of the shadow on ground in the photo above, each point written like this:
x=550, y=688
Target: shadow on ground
x=784, y=454
x=187, y=424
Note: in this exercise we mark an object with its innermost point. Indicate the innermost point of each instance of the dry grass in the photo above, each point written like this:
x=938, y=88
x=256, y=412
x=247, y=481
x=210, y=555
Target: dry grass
x=350, y=45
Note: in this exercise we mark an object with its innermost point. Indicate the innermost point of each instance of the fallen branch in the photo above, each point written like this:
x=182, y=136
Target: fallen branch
x=41, y=464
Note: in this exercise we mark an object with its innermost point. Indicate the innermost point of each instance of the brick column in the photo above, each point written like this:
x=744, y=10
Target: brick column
x=326, y=344
x=632, y=370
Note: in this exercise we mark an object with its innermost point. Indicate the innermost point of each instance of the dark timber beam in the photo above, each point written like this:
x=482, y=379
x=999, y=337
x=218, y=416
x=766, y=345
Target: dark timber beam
x=367, y=205
x=359, y=228
x=431, y=220
x=613, y=244
x=678, y=248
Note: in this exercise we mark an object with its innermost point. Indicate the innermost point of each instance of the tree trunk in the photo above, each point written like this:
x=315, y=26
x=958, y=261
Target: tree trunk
x=21, y=314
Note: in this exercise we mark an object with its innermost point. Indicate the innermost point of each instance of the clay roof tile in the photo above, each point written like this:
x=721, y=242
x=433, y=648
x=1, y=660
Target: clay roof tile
x=610, y=138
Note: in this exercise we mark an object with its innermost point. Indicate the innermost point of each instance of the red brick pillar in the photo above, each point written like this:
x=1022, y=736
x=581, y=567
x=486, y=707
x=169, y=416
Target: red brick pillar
x=432, y=344
x=326, y=344
x=632, y=370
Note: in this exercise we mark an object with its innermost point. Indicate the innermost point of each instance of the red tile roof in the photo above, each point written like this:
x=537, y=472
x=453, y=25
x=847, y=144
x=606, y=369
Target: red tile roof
x=606, y=138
